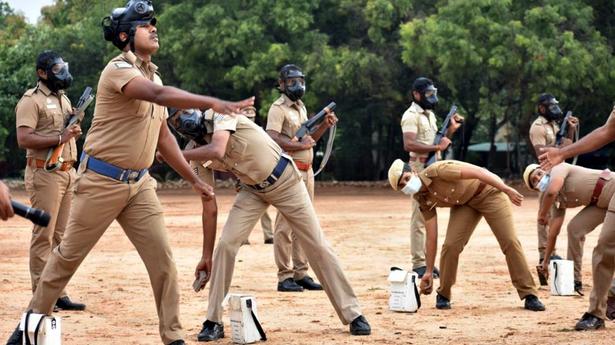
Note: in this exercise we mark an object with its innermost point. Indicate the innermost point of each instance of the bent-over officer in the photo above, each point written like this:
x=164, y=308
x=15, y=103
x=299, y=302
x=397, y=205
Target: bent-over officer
x=269, y=177
x=472, y=193
x=113, y=182
x=419, y=128
x=40, y=116
x=543, y=133
x=573, y=186
x=285, y=117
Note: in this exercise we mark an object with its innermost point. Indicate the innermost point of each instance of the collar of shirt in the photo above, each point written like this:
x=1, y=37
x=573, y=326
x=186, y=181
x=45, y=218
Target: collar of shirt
x=45, y=90
x=425, y=178
x=135, y=60
x=543, y=120
x=288, y=102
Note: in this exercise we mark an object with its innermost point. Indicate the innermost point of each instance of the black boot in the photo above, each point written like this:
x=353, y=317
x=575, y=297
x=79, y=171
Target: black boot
x=589, y=322
x=533, y=303
x=64, y=303
x=16, y=338
x=360, y=326
x=308, y=283
x=289, y=285
x=442, y=302
x=211, y=331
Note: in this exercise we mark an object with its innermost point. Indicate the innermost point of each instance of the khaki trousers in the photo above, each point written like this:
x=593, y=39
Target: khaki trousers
x=97, y=202
x=289, y=256
x=603, y=265
x=417, y=227
x=52, y=192
x=543, y=230
x=292, y=199
x=496, y=208
x=266, y=226
x=580, y=225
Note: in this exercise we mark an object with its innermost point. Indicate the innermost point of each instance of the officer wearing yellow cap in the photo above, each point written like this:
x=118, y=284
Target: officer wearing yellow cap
x=574, y=186
x=472, y=193
x=543, y=132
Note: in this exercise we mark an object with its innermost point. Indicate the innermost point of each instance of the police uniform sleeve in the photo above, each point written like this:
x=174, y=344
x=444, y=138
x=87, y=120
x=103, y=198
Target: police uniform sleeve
x=225, y=123
x=449, y=171
x=427, y=212
x=275, y=119
x=26, y=113
x=203, y=173
x=410, y=122
x=118, y=74
x=538, y=135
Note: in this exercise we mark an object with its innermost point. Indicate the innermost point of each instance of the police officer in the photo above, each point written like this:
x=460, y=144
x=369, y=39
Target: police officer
x=269, y=177
x=543, y=133
x=113, y=182
x=574, y=186
x=40, y=117
x=6, y=210
x=472, y=193
x=285, y=117
x=570, y=186
x=419, y=127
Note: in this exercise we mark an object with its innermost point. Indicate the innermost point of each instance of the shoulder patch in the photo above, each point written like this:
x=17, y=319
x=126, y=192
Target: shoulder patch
x=122, y=65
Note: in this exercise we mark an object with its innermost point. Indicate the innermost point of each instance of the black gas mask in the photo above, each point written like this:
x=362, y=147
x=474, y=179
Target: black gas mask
x=58, y=76
x=126, y=19
x=551, y=109
x=429, y=97
x=191, y=124
x=294, y=82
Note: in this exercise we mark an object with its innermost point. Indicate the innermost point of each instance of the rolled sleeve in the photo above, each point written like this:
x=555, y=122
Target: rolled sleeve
x=538, y=135
x=224, y=123
x=410, y=122
x=275, y=119
x=26, y=113
x=116, y=76
x=449, y=171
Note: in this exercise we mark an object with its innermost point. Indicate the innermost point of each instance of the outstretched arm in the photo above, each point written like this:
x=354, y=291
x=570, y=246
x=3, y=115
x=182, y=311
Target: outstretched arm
x=146, y=90
x=212, y=151
x=486, y=176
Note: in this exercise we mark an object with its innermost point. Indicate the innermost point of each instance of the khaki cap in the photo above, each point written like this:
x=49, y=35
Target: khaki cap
x=526, y=174
x=395, y=172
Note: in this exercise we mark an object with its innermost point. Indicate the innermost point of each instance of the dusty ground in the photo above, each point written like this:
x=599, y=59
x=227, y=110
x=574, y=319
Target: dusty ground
x=369, y=230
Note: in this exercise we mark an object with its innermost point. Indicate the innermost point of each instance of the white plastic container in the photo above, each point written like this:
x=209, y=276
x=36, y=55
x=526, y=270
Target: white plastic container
x=561, y=277
x=404, y=291
x=245, y=327
x=49, y=329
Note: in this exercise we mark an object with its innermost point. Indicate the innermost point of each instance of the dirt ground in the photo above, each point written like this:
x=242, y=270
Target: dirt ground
x=368, y=228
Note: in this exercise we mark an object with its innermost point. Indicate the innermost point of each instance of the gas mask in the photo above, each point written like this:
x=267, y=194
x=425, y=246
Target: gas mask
x=58, y=76
x=413, y=186
x=543, y=183
x=126, y=19
x=429, y=98
x=190, y=124
x=552, y=111
x=294, y=82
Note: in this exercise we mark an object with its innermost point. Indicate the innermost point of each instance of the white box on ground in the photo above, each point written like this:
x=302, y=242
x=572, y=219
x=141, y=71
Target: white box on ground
x=243, y=325
x=404, y=291
x=561, y=277
x=49, y=330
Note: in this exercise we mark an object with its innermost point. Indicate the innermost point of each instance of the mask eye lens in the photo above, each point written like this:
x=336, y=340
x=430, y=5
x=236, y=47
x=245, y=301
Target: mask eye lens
x=431, y=91
x=57, y=68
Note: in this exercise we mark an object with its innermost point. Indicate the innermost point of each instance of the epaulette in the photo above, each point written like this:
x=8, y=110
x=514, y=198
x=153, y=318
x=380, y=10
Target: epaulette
x=29, y=93
x=279, y=101
x=122, y=64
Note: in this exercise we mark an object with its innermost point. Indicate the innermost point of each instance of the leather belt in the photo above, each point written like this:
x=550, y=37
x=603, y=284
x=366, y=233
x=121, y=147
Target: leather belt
x=419, y=159
x=40, y=164
x=602, y=179
x=480, y=188
x=275, y=174
x=302, y=166
x=107, y=169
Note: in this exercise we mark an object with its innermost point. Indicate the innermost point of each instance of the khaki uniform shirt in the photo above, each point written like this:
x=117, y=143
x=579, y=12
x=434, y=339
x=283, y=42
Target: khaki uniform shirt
x=124, y=130
x=250, y=154
x=286, y=117
x=579, y=184
x=45, y=112
x=444, y=187
x=543, y=132
x=422, y=122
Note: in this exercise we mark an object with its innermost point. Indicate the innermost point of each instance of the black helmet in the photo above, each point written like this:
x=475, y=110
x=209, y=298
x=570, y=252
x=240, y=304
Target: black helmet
x=126, y=19
x=429, y=93
x=291, y=71
x=552, y=111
